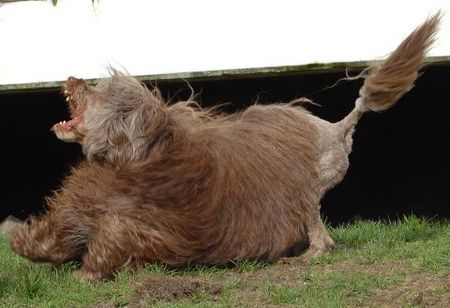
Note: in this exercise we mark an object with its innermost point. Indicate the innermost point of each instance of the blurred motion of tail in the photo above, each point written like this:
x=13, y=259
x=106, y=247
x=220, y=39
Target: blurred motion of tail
x=387, y=81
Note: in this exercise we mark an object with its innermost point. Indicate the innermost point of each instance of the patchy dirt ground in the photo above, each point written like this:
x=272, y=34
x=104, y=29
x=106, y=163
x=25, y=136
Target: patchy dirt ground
x=245, y=288
x=172, y=288
x=417, y=290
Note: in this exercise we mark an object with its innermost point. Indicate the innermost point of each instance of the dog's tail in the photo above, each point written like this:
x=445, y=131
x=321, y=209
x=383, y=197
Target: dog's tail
x=386, y=82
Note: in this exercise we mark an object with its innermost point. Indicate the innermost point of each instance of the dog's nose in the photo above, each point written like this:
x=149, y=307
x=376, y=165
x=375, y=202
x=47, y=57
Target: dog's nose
x=72, y=79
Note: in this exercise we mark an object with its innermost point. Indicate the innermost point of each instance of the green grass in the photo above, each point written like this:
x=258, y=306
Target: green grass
x=372, y=258
x=330, y=289
x=423, y=243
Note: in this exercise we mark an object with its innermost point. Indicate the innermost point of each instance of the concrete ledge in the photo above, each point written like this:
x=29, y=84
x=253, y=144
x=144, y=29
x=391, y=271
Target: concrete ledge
x=223, y=74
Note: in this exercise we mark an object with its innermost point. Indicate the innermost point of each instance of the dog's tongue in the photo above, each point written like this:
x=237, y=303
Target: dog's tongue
x=66, y=125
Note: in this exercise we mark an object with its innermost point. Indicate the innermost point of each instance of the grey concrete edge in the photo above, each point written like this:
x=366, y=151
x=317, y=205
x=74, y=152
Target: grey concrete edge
x=223, y=74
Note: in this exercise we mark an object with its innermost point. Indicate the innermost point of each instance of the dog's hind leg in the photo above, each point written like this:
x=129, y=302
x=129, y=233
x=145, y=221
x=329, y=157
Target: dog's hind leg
x=319, y=242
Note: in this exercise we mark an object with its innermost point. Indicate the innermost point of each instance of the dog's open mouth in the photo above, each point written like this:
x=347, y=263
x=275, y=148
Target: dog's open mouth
x=67, y=125
x=67, y=130
x=69, y=90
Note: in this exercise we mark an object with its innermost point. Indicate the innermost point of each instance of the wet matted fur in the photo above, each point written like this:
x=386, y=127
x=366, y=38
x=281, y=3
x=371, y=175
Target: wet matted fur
x=180, y=185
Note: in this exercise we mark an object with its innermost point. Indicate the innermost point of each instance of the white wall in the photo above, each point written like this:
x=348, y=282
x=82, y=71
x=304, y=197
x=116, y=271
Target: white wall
x=43, y=43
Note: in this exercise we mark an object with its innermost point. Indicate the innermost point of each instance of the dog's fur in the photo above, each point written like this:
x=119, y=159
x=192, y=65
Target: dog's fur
x=180, y=185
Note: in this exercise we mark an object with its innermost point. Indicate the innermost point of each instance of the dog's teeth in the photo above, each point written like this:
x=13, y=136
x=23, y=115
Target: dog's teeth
x=67, y=98
x=64, y=122
x=66, y=92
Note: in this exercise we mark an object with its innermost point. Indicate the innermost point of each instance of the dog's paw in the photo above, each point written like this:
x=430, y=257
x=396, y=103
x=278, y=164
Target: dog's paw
x=87, y=276
x=292, y=260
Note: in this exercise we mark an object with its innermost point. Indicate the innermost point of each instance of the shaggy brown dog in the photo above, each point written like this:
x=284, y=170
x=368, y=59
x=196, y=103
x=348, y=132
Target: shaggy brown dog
x=178, y=185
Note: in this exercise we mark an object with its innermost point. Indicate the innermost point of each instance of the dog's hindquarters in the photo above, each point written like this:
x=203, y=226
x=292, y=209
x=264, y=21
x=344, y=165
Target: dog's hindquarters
x=383, y=86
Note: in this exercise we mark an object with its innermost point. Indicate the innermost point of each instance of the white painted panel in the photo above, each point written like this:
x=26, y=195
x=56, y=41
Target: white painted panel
x=44, y=43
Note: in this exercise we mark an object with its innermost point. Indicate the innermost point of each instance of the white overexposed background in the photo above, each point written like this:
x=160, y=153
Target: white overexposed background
x=39, y=42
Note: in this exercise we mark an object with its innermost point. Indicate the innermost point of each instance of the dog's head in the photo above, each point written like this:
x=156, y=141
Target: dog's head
x=115, y=120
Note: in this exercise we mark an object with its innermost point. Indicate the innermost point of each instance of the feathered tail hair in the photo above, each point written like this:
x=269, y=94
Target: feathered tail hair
x=387, y=81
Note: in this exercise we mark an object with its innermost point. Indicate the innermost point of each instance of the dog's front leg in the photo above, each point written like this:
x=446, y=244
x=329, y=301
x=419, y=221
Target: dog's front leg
x=37, y=240
x=116, y=244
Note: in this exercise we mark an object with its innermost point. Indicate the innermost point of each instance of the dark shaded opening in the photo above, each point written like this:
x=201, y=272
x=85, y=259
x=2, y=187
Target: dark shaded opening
x=400, y=162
